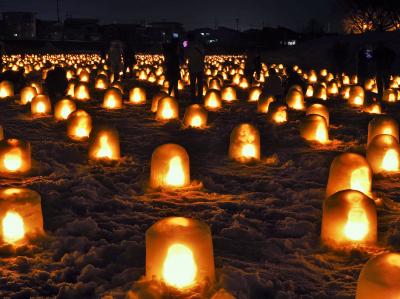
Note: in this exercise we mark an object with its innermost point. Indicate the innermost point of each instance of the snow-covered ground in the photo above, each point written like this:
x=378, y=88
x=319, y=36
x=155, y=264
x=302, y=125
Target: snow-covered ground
x=265, y=217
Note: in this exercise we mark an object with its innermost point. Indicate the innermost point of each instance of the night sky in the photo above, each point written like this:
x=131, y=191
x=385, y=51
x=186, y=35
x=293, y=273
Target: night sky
x=193, y=14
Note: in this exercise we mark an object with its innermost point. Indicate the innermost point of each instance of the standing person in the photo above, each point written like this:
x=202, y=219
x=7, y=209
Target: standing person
x=56, y=83
x=364, y=64
x=195, y=55
x=273, y=84
x=172, y=65
x=258, y=64
x=250, y=65
x=115, y=58
x=384, y=59
x=129, y=57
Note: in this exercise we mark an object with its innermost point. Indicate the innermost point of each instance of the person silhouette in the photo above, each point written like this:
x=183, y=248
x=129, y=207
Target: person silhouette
x=172, y=65
x=384, y=59
x=195, y=55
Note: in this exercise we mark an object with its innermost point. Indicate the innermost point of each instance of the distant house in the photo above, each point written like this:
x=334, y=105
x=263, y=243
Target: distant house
x=49, y=30
x=19, y=25
x=81, y=29
x=163, y=31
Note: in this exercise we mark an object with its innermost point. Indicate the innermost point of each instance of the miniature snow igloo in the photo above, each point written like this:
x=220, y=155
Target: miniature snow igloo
x=63, y=109
x=349, y=171
x=169, y=167
x=104, y=143
x=40, y=105
x=383, y=124
x=6, y=89
x=228, y=94
x=319, y=109
x=137, y=96
x=15, y=156
x=81, y=92
x=179, y=252
x=27, y=94
x=195, y=116
x=349, y=218
x=20, y=215
x=314, y=128
x=112, y=99
x=212, y=99
x=79, y=125
x=295, y=99
x=383, y=154
x=380, y=278
x=244, y=143
x=167, y=109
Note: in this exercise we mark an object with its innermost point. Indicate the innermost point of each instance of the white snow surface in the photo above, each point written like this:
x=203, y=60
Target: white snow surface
x=265, y=217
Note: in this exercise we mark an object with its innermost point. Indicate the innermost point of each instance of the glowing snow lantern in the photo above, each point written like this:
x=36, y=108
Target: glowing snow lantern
x=71, y=89
x=244, y=83
x=254, y=94
x=349, y=219
x=228, y=94
x=40, y=105
x=314, y=128
x=212, y=99
x=79, y=125
x=319, y=109
x=214, y=84
x=142, y=75
x=157, y=97
x=63, y=109
x=20, y=215
x=349, y=171
x=101, y=82
x=244, y=143
x=312, y=77
x=137, y=96
x=310, y=91
x=263, y=104
x=374, y=109
x=167, y=109
x=84, y=76
x=383, y=124
x=27, y=94
x=179, y=252
x=15, y=156
x=333, y=89
x=278, y=113
x=320, y=93
x=345, y=92
x=295, y=99
x=112, y=99
x=383, y=154
x=6, y=89
x=169, y=167
x=389, y=95
x=380, y=278
x=81, y=92
x=104, y=144
x=195, y=116
x=356, y=97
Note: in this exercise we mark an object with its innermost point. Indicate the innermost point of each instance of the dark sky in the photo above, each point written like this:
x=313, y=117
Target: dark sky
x=251, y=13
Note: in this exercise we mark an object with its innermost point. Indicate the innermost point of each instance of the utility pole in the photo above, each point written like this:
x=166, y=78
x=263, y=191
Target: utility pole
x=58, y=11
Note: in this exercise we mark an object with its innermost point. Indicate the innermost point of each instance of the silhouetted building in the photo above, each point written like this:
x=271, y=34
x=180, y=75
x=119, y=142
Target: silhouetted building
x=19, y=25
x=49, y=30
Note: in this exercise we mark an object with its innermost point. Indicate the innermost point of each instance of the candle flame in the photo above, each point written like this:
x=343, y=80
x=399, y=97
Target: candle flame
x=13, y=227
x=105, y=150
x=356, y=227
x=390, y=161
x=167, y=112
x=175, y=175
x=321, y=134
x=13, y=160
x=196, y=121
x=249, y=151
x=179, y=268
x=40, y=107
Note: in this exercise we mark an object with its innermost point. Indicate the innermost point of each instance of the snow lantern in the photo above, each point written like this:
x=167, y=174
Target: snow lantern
x=254, y=94
x=349, y=218
x=84, y=75
x=374, y=108
x=383, y=124
x=356, y=97
x=244, y=143
x=320, y=93
x=167, y=109
x=309, y=91
x=214, y=84
x=263, y=104
x=27, y=94
x=79, y=125
x=157, y=97
x=295, y=99
x=63, y=109
x=101, y=82
x=169, y=167
x=319, y=109
x=81, y=92
x=349, y=171
x=278, y=113
x=20, y=215
x=104, y=143
x=345, y=92
x=195, y=116
x=314, y=128
x=333, y=89
x=380, y=278
x=6, y=89
x=40, y=105
x=112, y=99
x=383, y=154
x=228, y=94
x=15, y=156
x=137, y=96
x=389, y=95
x=212, y=99
x=243, y=83
x=179, y=252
